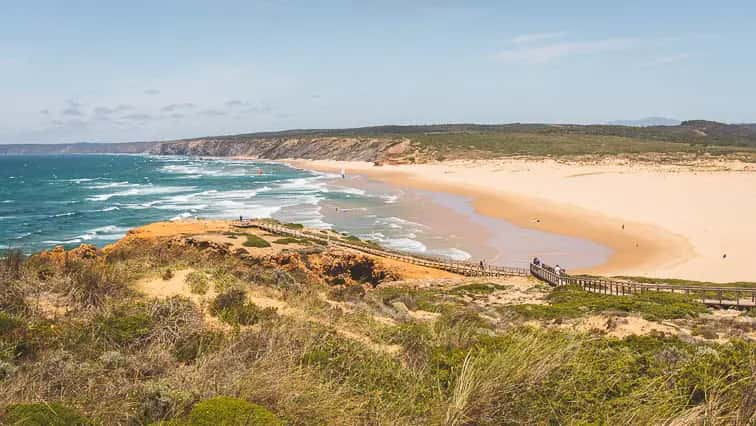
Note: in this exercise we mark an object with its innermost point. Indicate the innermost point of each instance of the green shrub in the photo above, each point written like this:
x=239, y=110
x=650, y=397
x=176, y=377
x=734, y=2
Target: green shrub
x=478, y=288
x=223, y=410
x=123, y=325
x=291, y=240
x=572, y=301
x=255, y=241
x=351, y=293
x=43, y=414
x=8, y=324
x=192, y=346
x=233, y=308
x=198, y=282
x=294, y=225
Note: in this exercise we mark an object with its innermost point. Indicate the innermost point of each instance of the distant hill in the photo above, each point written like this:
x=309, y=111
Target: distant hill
x=79, y=148
x=436, y=141
x=645, y=122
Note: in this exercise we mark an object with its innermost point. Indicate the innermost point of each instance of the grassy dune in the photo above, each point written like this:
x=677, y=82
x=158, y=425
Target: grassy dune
x=254, y=340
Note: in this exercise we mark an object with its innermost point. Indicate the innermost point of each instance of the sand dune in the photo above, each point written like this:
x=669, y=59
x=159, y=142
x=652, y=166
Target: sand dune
x=695, y=221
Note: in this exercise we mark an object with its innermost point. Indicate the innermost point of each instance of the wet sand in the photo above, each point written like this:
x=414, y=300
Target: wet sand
x=441, y=220
x=678, y=221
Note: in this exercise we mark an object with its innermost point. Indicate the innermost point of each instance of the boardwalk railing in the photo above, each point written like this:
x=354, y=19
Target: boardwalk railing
x=712, y=296
x=462, y=268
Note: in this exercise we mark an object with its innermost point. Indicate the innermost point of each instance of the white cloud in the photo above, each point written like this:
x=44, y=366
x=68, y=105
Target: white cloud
x=536, y=37
x=548, y=52
x=669, y=59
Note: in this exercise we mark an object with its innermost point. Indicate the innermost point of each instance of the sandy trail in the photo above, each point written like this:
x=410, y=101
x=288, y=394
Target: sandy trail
x=674, y=221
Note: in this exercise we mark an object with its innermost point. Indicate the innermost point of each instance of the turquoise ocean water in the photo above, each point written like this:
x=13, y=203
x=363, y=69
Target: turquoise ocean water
x=73, y=199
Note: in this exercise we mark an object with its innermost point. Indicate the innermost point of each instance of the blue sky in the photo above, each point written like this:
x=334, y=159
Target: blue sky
x=145, y=70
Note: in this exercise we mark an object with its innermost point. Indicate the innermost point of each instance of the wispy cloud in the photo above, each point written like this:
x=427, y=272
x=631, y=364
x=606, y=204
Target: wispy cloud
x=547, y=52
x=234, y=103
x=177, y=107
x=213, y=112
x=537, y=37
x=112, y=110
x=666, y=60
x=71, y=112
x=138, y=117
x=152, y=92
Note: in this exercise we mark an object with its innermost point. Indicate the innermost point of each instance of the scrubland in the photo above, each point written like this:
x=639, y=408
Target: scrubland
x=207, y=329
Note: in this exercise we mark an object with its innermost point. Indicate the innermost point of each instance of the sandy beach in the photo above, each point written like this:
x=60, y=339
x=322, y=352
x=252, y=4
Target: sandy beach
x=692, y=221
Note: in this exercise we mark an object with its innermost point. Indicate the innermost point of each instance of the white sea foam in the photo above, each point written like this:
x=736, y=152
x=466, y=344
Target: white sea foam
x=142, y=190
x=56, y=242
x=181, y=216
x=390, y=199
x=80, y=180
x=404, y=244
x=64, y=214
x=451, y=253
x=112, y=185
x=8, y=201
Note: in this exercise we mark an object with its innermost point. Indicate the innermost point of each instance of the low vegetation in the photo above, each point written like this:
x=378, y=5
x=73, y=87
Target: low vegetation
x=573, y=301
x=291, y=240
x=198, y=282
x=93, y=350
x=255, y=241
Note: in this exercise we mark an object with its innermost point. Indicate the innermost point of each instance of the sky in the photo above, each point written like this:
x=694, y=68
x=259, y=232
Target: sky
x=133, y=70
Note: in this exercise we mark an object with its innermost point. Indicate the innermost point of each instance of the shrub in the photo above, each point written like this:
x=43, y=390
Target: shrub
x=291, y=240
x=223, y=410
x=352, y=293
x=92, y=283
x=192, y=346
x=10, y=266
x=7, y=370
x=294, y=225
x=255, y=241
x=8, y=324
x=198, y=282
x=233, y=308
x=167, y=274
x=112, y=359
x=160, y=402
x=43, y=414
x=478, y=288
x=123, y=325
x=571, y=302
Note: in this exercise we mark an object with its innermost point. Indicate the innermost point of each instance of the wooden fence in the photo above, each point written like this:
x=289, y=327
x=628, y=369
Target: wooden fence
x=458, y=267
x=712, y=296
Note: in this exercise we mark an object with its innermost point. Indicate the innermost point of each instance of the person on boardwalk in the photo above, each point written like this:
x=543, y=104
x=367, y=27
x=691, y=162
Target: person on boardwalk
x=536, y=261
x=481, y=266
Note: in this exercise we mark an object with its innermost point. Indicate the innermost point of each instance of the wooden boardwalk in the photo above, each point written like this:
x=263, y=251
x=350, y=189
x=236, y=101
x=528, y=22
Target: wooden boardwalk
x=724, y=297
x=462, y=268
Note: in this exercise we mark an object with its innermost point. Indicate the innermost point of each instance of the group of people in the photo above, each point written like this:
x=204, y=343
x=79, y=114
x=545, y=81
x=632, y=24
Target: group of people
x=556, y=269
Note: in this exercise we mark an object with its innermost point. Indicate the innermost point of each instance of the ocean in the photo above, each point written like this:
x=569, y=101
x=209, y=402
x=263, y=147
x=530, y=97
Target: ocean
x=49, y=200
x=72, y=199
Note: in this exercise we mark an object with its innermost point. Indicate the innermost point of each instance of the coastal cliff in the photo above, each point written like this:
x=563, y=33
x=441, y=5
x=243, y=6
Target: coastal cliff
x=331, y=148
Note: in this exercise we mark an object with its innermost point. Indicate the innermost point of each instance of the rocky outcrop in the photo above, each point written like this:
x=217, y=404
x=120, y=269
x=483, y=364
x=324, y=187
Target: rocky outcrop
x=315, y=148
